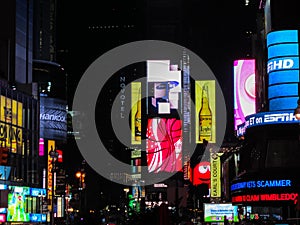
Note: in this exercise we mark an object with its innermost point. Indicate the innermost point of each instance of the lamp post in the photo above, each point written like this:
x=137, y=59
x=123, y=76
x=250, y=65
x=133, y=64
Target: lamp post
x=54, y=156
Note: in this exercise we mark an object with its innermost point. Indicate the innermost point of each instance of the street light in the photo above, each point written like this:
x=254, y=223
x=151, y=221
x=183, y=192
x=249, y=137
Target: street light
x=54, y=156
x=81, y=176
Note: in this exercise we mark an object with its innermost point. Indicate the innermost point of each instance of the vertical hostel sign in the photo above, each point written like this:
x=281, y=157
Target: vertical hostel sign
x=283, y=69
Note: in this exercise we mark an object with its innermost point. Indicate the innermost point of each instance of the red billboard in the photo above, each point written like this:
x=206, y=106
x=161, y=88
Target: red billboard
x=164, y=145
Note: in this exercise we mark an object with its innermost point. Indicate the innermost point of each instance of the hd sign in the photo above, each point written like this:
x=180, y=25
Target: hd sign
x=283, y=69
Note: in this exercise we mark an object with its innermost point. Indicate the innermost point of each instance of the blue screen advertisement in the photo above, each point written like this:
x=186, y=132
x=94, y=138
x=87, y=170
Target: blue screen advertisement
x=283, y=69
x=266, y=118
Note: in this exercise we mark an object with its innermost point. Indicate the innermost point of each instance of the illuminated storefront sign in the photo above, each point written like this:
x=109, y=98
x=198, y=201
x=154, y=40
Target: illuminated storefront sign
x=283, y=69
x=11, y=123
x=265, y=197
x=266, y=118
x=244, y=90
x=261, y=184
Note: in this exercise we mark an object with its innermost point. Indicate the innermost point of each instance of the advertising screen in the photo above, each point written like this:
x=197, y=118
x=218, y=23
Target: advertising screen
x=216, y=212
x=205, y=92
x=244, y=90
x=201, y=174
x=164, y=145
x=163, y=87
x=11, y=123
x=4, y=172
x=283, y=69
x=16, y=211
x=136, y=113
x=53, y=118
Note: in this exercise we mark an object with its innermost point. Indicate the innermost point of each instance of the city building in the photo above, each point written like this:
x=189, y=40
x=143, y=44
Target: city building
x=266, y=186
x=22, y=193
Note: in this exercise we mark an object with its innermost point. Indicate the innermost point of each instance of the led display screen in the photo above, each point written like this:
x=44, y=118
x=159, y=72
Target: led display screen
x=164, y=145
x=216, y=212
x=163, y=88
x=34, y=217
x=4, y=172
x=266, y=118
x=17, y=211
x=283, y=69
x=11, y=122
x=37, y=192
x=205, y=115
x=244, y=90
x=136, y=113
x=201, y=174
x=2, y=218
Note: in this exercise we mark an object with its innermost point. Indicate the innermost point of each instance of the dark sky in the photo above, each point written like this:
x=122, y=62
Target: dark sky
x=214, y=30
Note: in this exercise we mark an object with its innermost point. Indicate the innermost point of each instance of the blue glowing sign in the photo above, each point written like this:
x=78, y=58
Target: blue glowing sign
x=4, y=172
x=266, y=118
x=44, y=217
x=283, y=69
x=261, y=184
x=37, y=192
x=34, y=217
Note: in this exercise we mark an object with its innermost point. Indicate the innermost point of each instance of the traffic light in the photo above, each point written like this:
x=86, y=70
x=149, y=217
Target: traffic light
x=3, y=155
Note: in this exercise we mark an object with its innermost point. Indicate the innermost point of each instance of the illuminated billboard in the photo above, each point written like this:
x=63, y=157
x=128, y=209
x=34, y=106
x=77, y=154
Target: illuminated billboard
x=53, y=118
x=244, y=90
x=215, y=212
x=16, y=211
x=136, y=113
x=164, y=87
x=11, y=123
x=205, y=115
x=164, y=145
x=201, y=174
x=51, y=146
x=283, y=69
x=4, y=172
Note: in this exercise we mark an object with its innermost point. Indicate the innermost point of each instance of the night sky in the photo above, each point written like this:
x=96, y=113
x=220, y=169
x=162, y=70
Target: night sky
x=214, y=30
